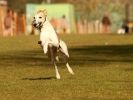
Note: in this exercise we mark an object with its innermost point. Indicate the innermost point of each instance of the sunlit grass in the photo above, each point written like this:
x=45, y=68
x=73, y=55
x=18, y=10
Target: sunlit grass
x=103, y=66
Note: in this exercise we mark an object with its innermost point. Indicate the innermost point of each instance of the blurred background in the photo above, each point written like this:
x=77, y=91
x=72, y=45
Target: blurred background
x=99, y=36
x=68, y=16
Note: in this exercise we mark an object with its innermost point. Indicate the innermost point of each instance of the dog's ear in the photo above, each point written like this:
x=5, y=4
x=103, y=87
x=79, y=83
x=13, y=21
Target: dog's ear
x=45, y=12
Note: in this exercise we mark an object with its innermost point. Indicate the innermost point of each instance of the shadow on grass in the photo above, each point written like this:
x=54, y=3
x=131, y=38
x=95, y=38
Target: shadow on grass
x=121, y=81
x=113, y=53
x=39, y=78
x=79, y=55
x=129, y=69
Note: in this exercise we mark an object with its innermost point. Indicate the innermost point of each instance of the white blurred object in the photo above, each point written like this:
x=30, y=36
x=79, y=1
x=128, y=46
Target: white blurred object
x=121, y=31
x=3, y=2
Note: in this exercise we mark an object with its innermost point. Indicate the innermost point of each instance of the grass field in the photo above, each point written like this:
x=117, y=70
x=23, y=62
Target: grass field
x=103, y=66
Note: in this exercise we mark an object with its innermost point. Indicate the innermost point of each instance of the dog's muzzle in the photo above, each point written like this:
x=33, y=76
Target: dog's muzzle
x=37, y=25
x=34, y=23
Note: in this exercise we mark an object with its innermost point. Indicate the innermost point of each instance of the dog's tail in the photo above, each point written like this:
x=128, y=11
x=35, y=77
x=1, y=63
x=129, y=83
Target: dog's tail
x=63, y=48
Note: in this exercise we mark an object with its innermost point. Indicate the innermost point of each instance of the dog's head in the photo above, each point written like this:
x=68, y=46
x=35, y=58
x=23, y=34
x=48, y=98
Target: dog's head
x=39, y=19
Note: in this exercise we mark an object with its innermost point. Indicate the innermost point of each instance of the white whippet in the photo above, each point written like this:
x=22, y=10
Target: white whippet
x=49, y=40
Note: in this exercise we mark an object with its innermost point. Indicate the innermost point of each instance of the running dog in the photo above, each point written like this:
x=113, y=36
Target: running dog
x=49, y=40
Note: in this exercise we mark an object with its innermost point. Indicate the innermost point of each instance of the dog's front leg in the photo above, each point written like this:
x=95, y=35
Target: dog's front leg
x=45, y=48
x=52, y=55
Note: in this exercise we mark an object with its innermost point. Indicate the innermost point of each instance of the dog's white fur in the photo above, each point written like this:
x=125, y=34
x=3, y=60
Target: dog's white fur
x=48, y=37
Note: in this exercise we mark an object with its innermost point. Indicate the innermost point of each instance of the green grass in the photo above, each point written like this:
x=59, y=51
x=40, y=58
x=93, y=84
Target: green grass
x=103, y=66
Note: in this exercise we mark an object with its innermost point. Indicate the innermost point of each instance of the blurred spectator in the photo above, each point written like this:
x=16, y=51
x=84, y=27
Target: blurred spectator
x=54, y=23
x=14, y=23
x=64, y=24
x=8, y=23
x=80, y=26
x=106, y=23
x=125, y=26
x=20, y=23
x=97, y=26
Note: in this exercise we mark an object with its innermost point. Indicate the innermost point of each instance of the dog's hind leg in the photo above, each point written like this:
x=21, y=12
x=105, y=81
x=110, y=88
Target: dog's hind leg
x=57, y=72
x=52, y=55
x=63, y=48
x=69, y=69
x=64, y=51
x=68, y=66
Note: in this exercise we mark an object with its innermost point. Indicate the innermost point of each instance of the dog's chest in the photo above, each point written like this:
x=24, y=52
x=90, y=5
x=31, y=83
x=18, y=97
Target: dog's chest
x=44, y=36
x=47, y=32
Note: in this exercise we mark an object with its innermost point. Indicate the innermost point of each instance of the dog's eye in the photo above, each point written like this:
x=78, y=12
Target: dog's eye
x=33, y=17
x=40, y=17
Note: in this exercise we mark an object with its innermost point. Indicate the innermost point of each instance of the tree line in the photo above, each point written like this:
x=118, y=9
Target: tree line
x=82, y=7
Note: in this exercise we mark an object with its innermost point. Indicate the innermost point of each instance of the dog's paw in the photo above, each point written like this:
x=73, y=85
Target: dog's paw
x=58, y=76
